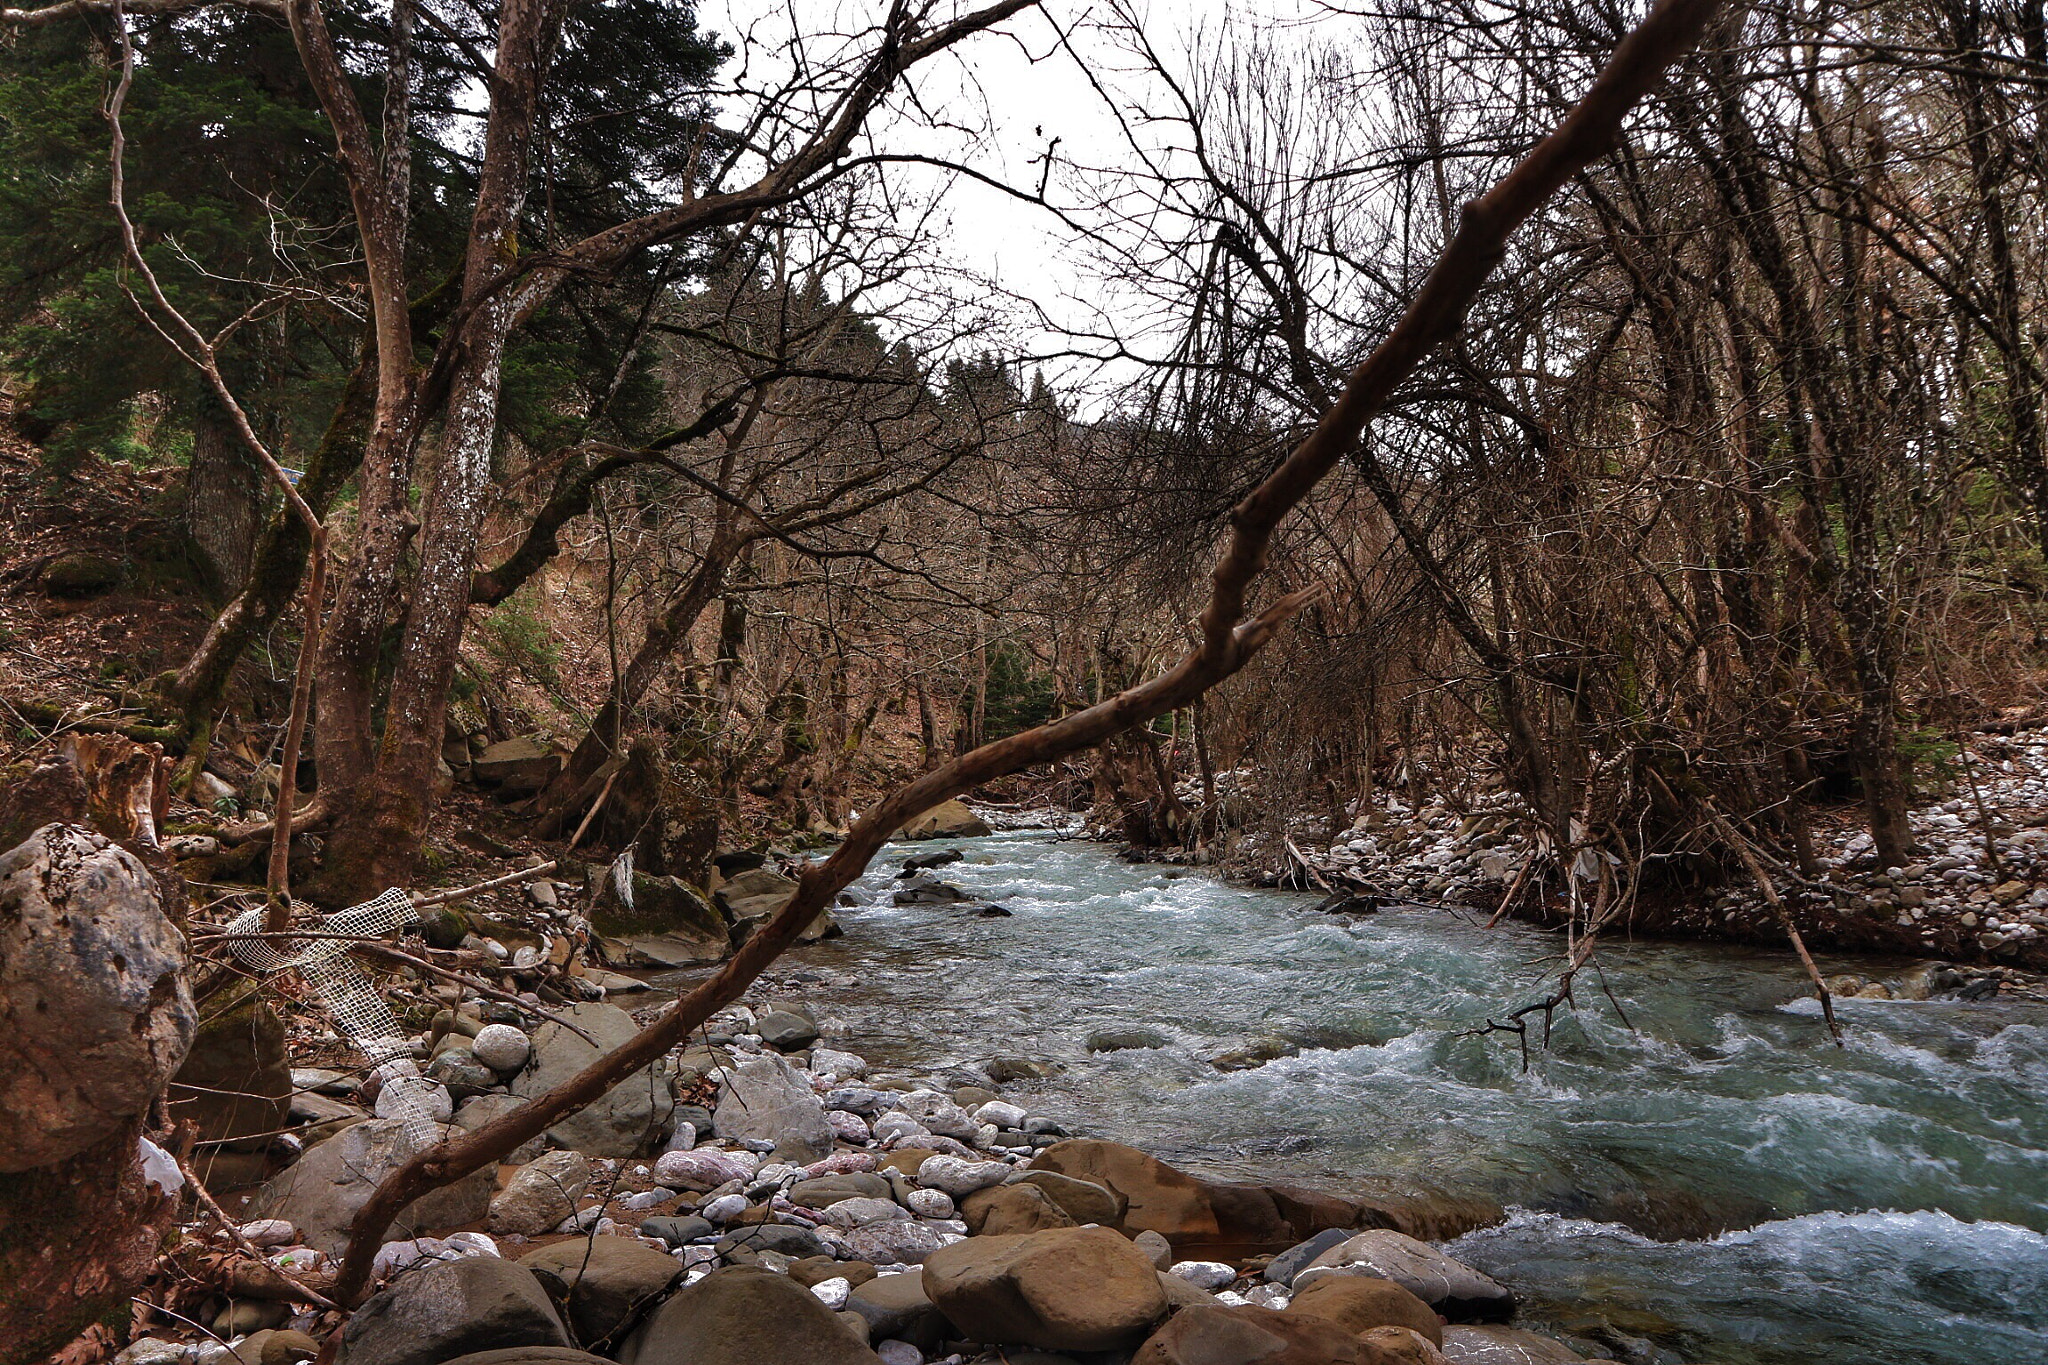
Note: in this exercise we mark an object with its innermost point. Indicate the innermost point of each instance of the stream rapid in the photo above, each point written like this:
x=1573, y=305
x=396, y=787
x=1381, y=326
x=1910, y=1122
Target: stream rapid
x=1693, y=1170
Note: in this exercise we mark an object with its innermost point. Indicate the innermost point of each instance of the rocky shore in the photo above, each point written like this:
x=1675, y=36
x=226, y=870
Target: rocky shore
x=762, y=1196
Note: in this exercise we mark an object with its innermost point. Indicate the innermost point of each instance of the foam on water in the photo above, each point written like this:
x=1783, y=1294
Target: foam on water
x=1720, y=1103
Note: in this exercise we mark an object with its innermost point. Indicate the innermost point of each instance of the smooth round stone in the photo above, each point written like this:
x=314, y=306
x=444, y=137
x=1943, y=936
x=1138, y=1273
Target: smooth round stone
x=1209, y=1275
x=930, y=1203
x=501, y=1047
x=725, y=1208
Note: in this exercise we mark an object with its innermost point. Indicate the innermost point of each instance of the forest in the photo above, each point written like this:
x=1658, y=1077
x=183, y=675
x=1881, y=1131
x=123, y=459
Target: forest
x=686, y=686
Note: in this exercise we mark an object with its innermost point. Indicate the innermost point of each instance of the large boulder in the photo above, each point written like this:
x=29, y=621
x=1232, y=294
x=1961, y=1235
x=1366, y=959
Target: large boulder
x=1084, y=1200
x=1451, y=1288
x=1246, y=1335
x=664, y=919
x=1012, y=1208
x=95, y=1011
x=236, y=1083
x=524, y=764
x=541, y=1194
x=1231, y=1221
x=1358, y=1303
x=947, y=820
x=769, y=1100
x=449, y=1309
x=1069, y=1289
x=611, y=1281
x=896, y=1307
x=745, y=1316
x=632, y=1118
x=321, y=1194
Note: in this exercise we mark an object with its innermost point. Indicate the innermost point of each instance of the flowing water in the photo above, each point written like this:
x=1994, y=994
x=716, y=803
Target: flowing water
x=1884, y=1202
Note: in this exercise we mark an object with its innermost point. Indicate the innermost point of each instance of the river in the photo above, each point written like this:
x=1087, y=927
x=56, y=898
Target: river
x=1883, y=1202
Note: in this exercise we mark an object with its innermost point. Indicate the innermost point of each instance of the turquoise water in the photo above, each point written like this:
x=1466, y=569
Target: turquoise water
x=1882, y=1202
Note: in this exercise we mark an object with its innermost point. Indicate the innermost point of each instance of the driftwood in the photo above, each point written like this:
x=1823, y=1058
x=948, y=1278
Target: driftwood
x=1231, y=634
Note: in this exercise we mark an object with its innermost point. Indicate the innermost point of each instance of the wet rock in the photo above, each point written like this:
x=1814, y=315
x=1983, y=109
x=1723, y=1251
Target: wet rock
x=1071, y=1289
x=1283, y=1268
x=947, y=820
x=925, y=862
x=321, y=1194
x=769, y=1100
x=744, y=1317
x=1124, y=1039
x=540, y=1194
x=628, y=1121
x=611, y=1280
x=1217, y=1335
x=1358, y=1302
x=1504, y=1346
x=450, y=1309
x=1456, y=1291
x=1254, y=1054
x=95, y=1013
x=923, y=890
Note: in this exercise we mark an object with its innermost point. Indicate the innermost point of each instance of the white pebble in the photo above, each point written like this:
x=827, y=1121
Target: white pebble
x=724, y=1209
x=832, y=1293
x=1209, y=1275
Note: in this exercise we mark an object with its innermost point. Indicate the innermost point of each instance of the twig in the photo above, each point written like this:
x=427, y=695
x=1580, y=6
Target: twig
x=524, y=874
x=234, y=1232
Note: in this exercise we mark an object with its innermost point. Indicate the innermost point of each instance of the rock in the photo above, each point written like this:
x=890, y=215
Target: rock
x=723, y=1209
x=848, y=1126
x=540, y=1194
x=1070, y=1289
x=525, y=764
x=704, y=1169
x=858, y=1212
x=406, y=1097
x=1002, y=1114
x=947, y=820
x=922, y=890
x=837, y=1066
x=610, y=1281
x=676, y=1230
x=321, y=1194
x=628, y=1121
x=664, y=919
x=959, y=1177
x=1456, y=1291
x=779, y=1237
x=473, y=1114
x=744, y=1317
x=827, y=1190
x=80, y=573
x=1359, y=1302
x=1230, y=1222
x=151, y=1351
x=1205, y=1275
x=1254, y=1054
x=1245, y=1335
x=236, y=1082
x=770, y=1100
x=757, y=894
x=896, y=1307
x=1282, y=1269
x=895, y=1243
x=1504, y=1346
x=924, y=862
x=449, y=1309
x=930, y=1203
x=276, y=1346
x=1124, y=1039
x=501, y=1047
x=1402, y=1346
x=1156, y=1248
x=1004, y=1070
x=531, y=1355
x=1084, y=1201
x=459, y=1073
x=939, y=1114
x=95, y=1012
x=785, y=1030
x=1011, y=1208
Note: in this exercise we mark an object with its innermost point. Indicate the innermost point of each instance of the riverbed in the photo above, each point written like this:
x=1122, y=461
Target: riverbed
x=1695, y=1172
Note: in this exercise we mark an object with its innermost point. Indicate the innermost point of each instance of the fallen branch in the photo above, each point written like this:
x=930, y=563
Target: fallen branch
x=1229, y=637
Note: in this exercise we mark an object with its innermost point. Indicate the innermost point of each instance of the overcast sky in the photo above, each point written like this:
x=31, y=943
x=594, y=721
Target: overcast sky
x=1024, y=87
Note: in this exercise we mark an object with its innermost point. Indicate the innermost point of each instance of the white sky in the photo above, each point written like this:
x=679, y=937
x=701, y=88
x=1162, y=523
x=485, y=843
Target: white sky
x=1024, y=89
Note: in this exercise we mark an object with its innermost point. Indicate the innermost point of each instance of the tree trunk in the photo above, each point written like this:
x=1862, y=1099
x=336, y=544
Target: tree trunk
x=224, y=495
